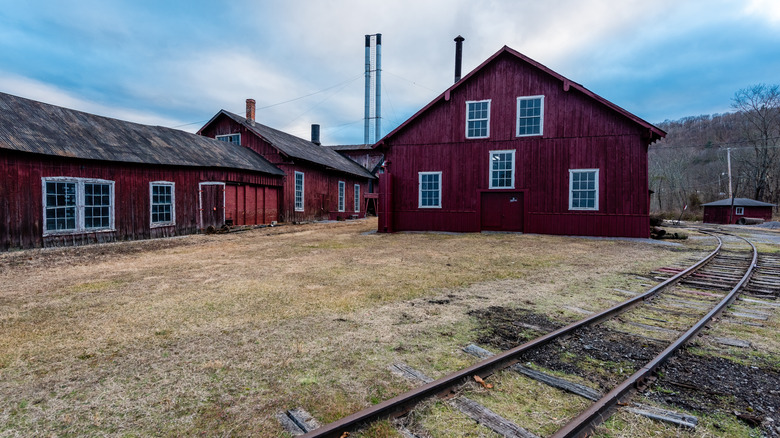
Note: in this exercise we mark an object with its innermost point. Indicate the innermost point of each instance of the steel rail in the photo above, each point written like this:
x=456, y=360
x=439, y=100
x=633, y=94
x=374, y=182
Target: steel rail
x=584, y=423
x=446, y=385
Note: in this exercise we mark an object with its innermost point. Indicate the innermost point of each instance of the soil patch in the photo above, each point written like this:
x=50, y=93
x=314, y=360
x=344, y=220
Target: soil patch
x=718, y=385
x=505, y=327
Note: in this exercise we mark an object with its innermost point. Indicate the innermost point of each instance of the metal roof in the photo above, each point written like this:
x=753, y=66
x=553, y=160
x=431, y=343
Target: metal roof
x=39, y=128
x=350, y=147
x=738, y=202
x=297, y=147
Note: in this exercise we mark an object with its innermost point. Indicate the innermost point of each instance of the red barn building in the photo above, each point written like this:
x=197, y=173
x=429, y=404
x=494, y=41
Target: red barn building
x=718, y=212
x=69, y=177
x=515, y=146
x=319, y=183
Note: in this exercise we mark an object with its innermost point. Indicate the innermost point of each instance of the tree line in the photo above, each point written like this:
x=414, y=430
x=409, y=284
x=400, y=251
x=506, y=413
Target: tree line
x=689, y=166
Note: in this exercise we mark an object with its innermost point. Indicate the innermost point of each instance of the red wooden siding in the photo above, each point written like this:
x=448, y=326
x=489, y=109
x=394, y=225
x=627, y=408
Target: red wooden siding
x=249, y=204
x=21, y=203
x=578, y=133
x=320, y=184
x=720, y=214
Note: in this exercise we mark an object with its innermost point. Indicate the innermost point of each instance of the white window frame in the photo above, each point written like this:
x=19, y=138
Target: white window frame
x=172, y=185
x=571, y=189
x=80, y=205
x=491, y=170
x=299, y=207
x=739, y=211
x=420, y=192
x=541, y=116
x=487, y=132
x=227, y=136
x=342, y=194
x=357, y=198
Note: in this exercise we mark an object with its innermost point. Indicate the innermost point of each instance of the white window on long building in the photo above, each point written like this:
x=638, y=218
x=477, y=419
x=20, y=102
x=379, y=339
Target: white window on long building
x=299, y=191
x=341, y=195
x=478, y=119
x=502, y=169
x=429, y=189
x=163, y=208
x=230, y=138
x=583, y=189
x=73, y=205
x=530, y=116
x=357, y=198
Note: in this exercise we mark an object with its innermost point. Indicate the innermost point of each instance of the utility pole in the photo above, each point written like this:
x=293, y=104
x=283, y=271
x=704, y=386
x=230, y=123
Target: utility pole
x=731, y=195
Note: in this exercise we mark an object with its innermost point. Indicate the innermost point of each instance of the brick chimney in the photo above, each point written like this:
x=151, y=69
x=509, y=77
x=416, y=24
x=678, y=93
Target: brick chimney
x=250, y=110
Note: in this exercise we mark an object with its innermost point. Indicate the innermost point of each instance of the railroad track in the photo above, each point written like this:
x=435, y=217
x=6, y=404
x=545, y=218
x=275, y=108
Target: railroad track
x=664, y=318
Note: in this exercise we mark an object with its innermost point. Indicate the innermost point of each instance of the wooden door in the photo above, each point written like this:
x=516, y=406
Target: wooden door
x=501, y=211
x=212, y=205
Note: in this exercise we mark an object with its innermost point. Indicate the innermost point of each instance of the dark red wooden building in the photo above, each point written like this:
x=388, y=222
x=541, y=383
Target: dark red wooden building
x=718, y=212
x=69, y=177
x=515, y=146
x=319, y=183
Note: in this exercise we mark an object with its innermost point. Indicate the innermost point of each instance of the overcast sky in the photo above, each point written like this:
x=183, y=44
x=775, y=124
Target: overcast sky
x=177, y=64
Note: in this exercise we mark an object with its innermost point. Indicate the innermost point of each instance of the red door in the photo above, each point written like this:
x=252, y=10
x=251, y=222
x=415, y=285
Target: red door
x=502, y=211
x=212, y=205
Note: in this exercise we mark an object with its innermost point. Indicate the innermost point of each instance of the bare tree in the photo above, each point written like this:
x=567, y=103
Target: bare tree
x=759, y=110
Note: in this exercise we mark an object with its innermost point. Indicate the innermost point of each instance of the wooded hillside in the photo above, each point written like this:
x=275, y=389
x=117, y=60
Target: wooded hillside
x=689, y=167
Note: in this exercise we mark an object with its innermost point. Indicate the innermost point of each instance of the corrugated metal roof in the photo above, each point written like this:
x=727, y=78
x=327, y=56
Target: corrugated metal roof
x=738, y=202
x=35, y=127
x=297, y=147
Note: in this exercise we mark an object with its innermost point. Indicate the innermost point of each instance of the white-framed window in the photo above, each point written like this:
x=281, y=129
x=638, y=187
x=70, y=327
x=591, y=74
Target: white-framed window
x=230, y=138
x=502, y=169
x=299, y=191
x=357, y=198
x=429, y=189
x=530, y=116
x=583, y=189
x=740, y=211
x=478, y=119
x=162, y=203
x=342, y=189
x=77, y=205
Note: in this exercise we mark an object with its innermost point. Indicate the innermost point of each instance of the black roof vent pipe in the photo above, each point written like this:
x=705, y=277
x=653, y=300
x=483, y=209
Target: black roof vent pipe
x=458, y=55
x=315, y=134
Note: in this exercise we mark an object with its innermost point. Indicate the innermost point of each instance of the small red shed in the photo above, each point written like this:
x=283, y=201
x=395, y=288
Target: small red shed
x=318, y=184
x=69, y=177
x=515, y=146
x=717, y=212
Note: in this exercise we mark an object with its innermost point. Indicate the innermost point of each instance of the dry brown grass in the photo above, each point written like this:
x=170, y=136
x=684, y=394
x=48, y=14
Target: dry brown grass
x=211, y=335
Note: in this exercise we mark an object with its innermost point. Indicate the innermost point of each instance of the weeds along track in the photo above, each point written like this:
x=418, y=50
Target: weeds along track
x=627, y=342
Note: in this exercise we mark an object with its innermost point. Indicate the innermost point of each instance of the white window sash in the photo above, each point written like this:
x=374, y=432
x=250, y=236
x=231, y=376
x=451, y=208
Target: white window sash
x=595, y=186
x=301, y=190
x=420, y=189
x=357, y=198
x=342, y=194
x=541, y=116
x=487, y=131
x=490, y=169
x=172, y=185
x=80, y=205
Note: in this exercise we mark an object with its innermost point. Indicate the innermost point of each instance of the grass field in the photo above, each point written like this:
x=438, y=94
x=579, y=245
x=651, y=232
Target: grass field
x=212, y=335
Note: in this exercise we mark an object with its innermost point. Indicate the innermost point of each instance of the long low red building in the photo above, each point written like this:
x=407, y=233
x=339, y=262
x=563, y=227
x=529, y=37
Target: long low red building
x=726, y=211
x=69, y=177
x=515, y=146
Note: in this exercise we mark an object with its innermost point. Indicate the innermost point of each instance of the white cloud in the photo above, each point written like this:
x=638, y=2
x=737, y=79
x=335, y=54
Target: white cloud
x=768, y=9
x=46, y=93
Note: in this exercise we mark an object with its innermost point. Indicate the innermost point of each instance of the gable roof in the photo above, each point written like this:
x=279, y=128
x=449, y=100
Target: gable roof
x=39, y=128
x=297, y=147
x=654, y=132
x=738, y=202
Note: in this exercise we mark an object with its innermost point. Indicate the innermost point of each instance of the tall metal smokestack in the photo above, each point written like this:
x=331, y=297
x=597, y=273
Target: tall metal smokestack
x=378, y=110
x=368, y=90
x=458, y=55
